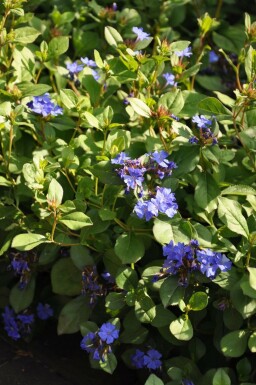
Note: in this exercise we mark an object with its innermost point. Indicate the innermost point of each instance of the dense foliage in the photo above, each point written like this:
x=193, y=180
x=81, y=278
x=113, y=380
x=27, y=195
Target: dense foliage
x=127, y=177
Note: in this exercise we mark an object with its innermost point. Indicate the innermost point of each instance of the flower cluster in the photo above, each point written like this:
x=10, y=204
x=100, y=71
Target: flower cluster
x=43, y=105
x=134, y=171
x=163, y=202
x=20, y=325
x=151, y=359
x=205, y=133
x=184, y=259
x=99, y=343
x=21, y=263
x=92, y=284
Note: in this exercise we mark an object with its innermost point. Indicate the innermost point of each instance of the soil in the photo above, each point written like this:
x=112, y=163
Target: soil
x=54, y=360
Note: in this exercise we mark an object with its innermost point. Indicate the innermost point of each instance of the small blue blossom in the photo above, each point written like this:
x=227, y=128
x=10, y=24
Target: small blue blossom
x=160, y=158
x=88, y=62
x=185, y=381
x=95, y=74
x=165, y=201
x=145, y=209
x=213, y=57
x=99, y=343
x=74, y=68
x=108, y=333
x=152, y=359
x=134, y=177
x=187, y=52
x=211, y=262
x=137, y=359
x=170, y=79
x=193, y=140
x=87, y=342
x=10, y=323
x=201, y=121
x=26, y=319
x=44, y=311
x=141, y=35
x=120, y=158
x=19, y=266
x=43, y=105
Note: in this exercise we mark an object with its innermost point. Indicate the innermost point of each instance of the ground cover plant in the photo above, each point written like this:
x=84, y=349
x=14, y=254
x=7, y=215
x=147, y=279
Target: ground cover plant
x=127, y=206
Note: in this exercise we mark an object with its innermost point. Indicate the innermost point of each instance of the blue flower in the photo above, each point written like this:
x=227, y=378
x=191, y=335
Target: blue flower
x=10, y=324
x=141, y=35
x=44, y=311
x=185, y=381
x=152, y=359
x=201, y=121
x=165, y=201
x=213, y=57
x=160, y=158
x=19, y=266
x=95, y=74
x=184, y=53
x=120, y=158
x=170, y=79
x=210, y=262
x=145, y=209
x=43, y=105
x=26, y=319
x=193, y=140
x=108, y=333
x=74, y=68
x=88, y=62
x=87, y=342
x=134, y=178
x=137, y=359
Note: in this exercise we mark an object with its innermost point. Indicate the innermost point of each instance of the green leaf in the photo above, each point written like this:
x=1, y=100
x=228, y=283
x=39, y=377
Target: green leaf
x=112, y=36
x=80, y=256
x=129, y=248
x=221, y=378
x=139, y=107
x=145, y=308
x=127, y=279
x=239, y=190
x=21, y=299
x=29, y=89
x=206, y=192
x=93, y=88
x=66, y=278
x=234, y=344
x=252, y=277
x=153, y=380
x=76, y=220
x=93, y=122
x=25, y=35
x=28, y=241
x=57, y=46
x=198, y=301
x=173, y=101
x=73, y=314
x=186, y=158
x=171, y=292
x=115, y=301
x=181, y=328
x=55, y=194
x=252, y=342
x=230, y=213
x=109, y=364
x=248, y=138
x=68, y=98
x=212, y=106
